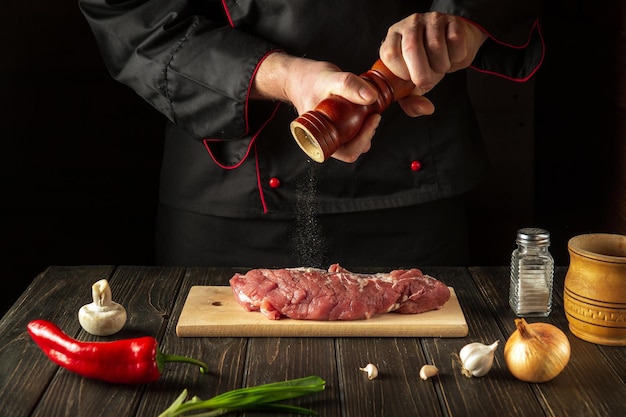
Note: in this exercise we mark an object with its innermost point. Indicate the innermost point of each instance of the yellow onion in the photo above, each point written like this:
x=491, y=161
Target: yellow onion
x=536, y=352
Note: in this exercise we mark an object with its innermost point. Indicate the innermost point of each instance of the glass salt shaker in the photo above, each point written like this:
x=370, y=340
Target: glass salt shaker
x=532, y=274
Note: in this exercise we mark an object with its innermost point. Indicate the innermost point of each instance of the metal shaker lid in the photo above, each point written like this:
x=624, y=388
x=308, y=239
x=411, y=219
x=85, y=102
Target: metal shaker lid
x=533, y=236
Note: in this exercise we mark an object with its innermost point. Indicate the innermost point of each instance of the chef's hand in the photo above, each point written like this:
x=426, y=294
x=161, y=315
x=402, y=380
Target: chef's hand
x=305, y=83
x=424, y=47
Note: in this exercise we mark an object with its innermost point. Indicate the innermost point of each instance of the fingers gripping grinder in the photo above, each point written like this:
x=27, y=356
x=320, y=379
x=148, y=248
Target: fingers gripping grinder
x=335, y=120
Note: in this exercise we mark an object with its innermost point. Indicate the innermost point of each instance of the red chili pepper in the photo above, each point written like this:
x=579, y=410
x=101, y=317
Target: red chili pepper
x=128, y=361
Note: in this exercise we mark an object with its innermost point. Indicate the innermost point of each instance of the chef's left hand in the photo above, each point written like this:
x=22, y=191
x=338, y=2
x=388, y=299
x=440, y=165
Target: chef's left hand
x=424, y=47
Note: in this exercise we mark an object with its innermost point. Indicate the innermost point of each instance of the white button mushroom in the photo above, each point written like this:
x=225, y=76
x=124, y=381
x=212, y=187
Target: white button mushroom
x=103, y=317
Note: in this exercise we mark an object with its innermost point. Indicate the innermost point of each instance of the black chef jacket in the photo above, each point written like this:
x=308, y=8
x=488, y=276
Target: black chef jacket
x=226, y=155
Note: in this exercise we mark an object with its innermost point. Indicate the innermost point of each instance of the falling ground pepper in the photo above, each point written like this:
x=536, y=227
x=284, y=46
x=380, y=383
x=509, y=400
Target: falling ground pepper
x=309, y=239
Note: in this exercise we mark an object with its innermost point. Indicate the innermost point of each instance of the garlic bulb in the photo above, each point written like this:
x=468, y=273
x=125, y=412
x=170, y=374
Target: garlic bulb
x=104, y=316
x=477, y=358
x=372, y=371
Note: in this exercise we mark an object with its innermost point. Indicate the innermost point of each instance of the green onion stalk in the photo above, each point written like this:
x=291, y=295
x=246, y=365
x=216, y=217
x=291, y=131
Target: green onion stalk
x=260, y=398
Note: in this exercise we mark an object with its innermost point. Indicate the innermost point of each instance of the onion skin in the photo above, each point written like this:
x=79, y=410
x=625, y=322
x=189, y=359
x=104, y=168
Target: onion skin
x=536, y=352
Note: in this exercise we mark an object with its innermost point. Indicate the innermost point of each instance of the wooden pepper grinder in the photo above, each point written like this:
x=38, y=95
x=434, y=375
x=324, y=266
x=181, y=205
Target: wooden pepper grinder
x=335, y=120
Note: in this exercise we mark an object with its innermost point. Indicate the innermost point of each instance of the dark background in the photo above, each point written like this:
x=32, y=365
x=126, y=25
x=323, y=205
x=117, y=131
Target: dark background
x=81, y=153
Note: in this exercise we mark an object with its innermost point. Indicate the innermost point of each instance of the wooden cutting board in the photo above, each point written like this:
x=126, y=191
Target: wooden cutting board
x=213, y=311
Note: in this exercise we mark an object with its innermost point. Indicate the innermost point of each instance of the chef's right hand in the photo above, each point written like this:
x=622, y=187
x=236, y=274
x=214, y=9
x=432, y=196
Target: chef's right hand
x=305, y=83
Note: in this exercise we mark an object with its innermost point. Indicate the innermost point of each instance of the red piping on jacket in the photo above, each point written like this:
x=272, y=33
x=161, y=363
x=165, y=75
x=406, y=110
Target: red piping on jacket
x=252, y=143
x=230, y=19
x=258, y=180
x=520, y=80
x=207, y=141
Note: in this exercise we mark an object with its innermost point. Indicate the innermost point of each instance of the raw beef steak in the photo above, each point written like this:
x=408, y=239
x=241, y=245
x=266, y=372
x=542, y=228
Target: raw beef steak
x=336, y=294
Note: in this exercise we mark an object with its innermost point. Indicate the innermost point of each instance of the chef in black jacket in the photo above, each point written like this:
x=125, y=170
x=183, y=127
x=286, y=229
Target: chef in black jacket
x=235, y=188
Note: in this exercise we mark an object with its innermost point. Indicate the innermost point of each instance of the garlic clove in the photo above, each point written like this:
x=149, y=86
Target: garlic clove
x=372, y=371
x=102, y=317
x=477, y=358
x=428, y=371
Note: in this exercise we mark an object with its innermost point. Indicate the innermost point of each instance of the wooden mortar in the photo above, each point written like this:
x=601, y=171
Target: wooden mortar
x=594, y=296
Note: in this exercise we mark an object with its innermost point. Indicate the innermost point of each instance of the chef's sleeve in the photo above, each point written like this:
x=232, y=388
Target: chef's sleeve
x=183, y=58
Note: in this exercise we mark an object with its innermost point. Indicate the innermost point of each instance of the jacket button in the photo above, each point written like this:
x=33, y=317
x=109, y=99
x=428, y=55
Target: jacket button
x=274, y=182
x=416, y=166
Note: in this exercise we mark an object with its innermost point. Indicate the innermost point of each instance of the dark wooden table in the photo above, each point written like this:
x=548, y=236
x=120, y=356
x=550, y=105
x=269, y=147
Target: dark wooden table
x=593, y=384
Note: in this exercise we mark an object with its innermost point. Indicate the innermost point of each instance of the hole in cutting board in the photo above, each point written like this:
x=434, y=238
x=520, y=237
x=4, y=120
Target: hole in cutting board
x=216, y=303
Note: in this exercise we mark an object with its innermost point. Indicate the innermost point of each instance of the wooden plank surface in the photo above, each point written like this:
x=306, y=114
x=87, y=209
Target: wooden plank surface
x=577, y=391
x=495, y=394
x=225, y=356
x=147, y=293
x=213, y=311
x=25, y=372
x=398, y=390
x=592, y=384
